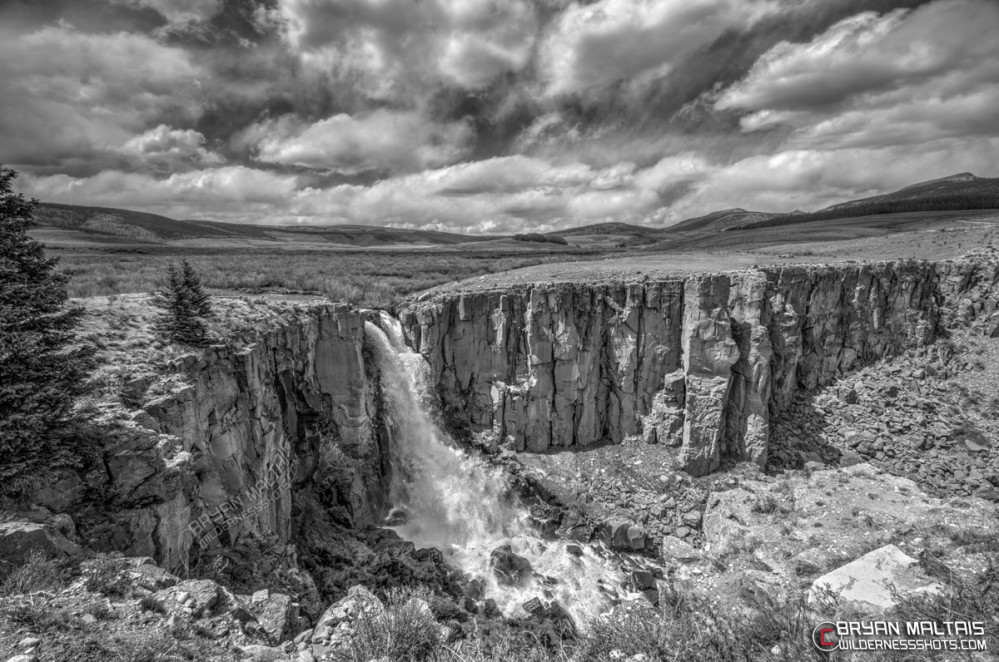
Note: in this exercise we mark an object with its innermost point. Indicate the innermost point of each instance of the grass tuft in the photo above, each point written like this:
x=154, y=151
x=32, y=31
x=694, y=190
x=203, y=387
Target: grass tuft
x=37, y=574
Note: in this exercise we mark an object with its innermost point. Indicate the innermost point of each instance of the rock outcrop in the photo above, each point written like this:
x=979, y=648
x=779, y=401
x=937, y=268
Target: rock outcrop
x=221, y=455
x=700, y=361
x=877, y=580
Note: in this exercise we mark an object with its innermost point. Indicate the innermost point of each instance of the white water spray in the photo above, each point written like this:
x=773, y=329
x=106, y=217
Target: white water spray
x=459, y=504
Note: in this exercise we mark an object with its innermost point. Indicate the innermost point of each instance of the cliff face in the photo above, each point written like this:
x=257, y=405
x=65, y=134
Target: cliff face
x=701, y=362
x=236, y=437
x=223, y=455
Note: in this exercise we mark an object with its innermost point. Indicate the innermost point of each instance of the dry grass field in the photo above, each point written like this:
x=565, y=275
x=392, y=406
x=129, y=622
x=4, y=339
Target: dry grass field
x=373, y=279
x=380, y=278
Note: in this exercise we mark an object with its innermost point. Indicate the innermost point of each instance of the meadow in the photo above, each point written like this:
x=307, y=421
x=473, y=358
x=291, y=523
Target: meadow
x=365, y=278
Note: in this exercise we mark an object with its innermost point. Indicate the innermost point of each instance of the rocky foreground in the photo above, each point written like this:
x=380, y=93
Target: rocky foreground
x=877, y=541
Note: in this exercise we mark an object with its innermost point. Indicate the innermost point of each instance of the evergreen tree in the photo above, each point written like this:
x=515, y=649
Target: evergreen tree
x=42, y=371
x=195, y=290
x=185, y=305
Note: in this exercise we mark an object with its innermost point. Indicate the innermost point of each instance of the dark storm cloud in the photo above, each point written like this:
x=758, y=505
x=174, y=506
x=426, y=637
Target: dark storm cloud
x=491, y=115
x=97, y=15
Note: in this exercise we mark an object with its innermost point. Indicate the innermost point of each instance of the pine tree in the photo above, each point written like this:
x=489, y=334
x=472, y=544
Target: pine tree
x=185, y=305
x=42, y=370
x=195, y=290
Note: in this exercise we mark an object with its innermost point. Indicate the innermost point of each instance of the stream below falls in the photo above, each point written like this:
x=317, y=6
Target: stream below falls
x=459, y=504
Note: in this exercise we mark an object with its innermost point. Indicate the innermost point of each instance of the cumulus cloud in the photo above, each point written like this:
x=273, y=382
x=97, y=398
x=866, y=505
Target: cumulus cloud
x=493, y=115
x=486, y=39
x=381, y=140
x=906, y=76
x=813, y=178
x=503, y=194
x=395, y=49
x=166, y=148
x=226, y=193
x=599, y=43
x=69, y=96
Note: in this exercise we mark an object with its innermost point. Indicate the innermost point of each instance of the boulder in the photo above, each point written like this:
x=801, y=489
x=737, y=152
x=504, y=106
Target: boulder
x=509, y=568
x=675, y=549
x=61, y=493
x=152, y=577
x=643, y=580
x=692, y=518
x=258, y=653
x=134, y=390
x=623, y=534
x=18, y=540
x=277, y=615
x=865, y=581
x=429, y=555
x=397, y=517
x=490, y=609
x=197, y=597
x=337, y=620
x=850, y=458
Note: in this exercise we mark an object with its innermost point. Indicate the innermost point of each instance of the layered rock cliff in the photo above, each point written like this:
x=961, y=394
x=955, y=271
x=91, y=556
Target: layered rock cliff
x=240, y=432
x=221, y=446
x=701, y=362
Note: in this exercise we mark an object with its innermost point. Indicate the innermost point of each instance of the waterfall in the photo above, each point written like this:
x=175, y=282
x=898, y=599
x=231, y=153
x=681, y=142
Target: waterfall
x=452, y=500
x=460, y=505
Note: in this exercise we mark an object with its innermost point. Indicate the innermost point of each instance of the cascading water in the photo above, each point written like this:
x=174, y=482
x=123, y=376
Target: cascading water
x=460, y=505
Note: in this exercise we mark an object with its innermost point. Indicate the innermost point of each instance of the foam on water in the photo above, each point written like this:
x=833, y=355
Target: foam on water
x=460, y=505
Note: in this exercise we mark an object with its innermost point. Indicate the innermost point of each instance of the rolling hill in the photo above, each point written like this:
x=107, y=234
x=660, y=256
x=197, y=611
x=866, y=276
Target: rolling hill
x=721, y=220
x=608, y=228
x=962, y=192
x=74, y=224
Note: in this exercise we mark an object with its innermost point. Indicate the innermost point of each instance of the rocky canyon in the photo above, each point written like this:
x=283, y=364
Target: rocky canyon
x=273, y=451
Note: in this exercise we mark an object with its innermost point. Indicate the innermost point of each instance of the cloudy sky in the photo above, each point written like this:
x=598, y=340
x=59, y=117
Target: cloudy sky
x=492, y=115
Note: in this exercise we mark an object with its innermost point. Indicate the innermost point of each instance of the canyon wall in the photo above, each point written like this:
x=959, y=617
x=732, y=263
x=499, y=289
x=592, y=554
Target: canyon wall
x=222, y=454
x=223, y=445
x=701, y=362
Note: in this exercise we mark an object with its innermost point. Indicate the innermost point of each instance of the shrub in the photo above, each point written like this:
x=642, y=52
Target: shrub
x=43, y=369
x=405, y=632
x=503, y=643
x=541, y=238
x=689, y=627
x=960, y=599
x=105, y=574
x=38, y=574
x=37, y=617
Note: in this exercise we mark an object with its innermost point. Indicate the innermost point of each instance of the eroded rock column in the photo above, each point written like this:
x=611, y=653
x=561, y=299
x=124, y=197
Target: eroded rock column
x=709, y=352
